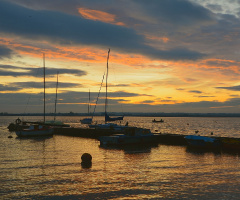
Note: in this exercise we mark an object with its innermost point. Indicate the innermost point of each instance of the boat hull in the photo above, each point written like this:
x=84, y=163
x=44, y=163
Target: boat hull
x=202, y=142
x=86, y=121
x=34, y=133
x=231, y=143
x=118, y=140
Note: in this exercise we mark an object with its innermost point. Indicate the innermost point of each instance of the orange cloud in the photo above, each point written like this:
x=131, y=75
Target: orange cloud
x=99, y=15
x=73, y=53
x=164, y=39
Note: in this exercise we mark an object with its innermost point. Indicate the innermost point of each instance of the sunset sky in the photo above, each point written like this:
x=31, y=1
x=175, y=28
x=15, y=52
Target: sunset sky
x=166, y=55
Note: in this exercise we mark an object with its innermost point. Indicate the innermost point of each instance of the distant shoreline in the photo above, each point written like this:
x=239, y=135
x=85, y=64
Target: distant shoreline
x=130, y=114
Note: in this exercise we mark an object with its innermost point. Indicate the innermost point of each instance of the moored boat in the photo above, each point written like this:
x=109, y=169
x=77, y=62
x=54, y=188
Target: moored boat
x=107, y=117
x=132, y=135
x=86, y=121
x=39, y=128
x=35, y=130
x=18, y=125
x=202, y=141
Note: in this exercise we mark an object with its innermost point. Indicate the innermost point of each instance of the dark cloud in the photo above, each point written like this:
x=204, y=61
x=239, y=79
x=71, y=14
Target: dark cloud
x=147, y=102
x=233, y=88
x=221, y=63
x=67, y=101
x=205, y=96
x=176, y=12
x=211, y=104
x=37, y=85
x=22, y=85
x=214, y=7
x=78, y=101
x=9, y=88
x=195, y=91
x=71, y=29
x=5, y=52
x=9, y=70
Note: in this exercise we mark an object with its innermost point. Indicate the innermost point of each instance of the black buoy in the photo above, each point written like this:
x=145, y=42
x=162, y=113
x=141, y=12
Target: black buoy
x=86, y=160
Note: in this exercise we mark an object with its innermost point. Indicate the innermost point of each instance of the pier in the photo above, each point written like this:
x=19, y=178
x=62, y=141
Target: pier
x=225, y=143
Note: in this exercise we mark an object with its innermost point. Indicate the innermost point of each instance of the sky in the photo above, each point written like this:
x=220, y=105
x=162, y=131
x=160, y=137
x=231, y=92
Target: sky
x=165, y=55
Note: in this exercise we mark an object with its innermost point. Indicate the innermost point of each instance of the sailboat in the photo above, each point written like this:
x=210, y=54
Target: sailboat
x=87, y=120
x=54, y=122
x=107, y=117
x=38, y=128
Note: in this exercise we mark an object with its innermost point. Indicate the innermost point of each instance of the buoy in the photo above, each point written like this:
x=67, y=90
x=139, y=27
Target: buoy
x=86, y=160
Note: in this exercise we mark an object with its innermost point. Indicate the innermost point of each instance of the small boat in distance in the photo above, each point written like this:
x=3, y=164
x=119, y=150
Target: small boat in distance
x=156, y=121
x=37, y=129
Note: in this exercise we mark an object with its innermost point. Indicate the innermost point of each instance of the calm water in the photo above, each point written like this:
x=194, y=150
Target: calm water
x=50, y=168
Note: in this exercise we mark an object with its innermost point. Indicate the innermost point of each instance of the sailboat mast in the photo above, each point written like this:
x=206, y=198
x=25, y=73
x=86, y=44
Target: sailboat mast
x=89, y=102
x=44, y=87
x=106, y=84
x=56, y=98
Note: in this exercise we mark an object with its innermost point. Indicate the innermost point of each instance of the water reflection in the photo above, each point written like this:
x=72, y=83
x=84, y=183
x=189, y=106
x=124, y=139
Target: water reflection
x=50, y=168
x=131, y=149
x=202, y=151
x=35, y=139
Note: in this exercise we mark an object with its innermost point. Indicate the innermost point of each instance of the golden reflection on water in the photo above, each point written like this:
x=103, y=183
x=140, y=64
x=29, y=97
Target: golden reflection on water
x=51, y=167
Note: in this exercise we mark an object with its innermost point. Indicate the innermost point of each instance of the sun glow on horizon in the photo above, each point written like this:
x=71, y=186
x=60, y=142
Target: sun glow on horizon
x=152, y=82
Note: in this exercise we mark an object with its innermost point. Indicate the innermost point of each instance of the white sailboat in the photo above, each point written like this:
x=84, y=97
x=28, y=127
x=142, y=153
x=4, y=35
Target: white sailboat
x=107, y=125
x=107, y=117
x=38, y=128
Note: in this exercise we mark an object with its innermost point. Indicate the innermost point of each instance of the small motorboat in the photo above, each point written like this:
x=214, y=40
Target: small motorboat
x=202, y=141
x=158, y=121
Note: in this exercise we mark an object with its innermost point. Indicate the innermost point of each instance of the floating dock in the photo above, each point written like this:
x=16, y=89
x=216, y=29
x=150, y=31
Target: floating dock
x=173, y=139
x=225, y=143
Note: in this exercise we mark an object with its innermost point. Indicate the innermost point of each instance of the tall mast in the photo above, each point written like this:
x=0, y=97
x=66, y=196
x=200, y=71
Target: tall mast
x=89, y=102
x=106, y=83
x=56, y=98
x=44, y=86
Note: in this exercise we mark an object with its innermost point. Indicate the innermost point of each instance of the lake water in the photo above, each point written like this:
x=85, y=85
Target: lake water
x=50, y=168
